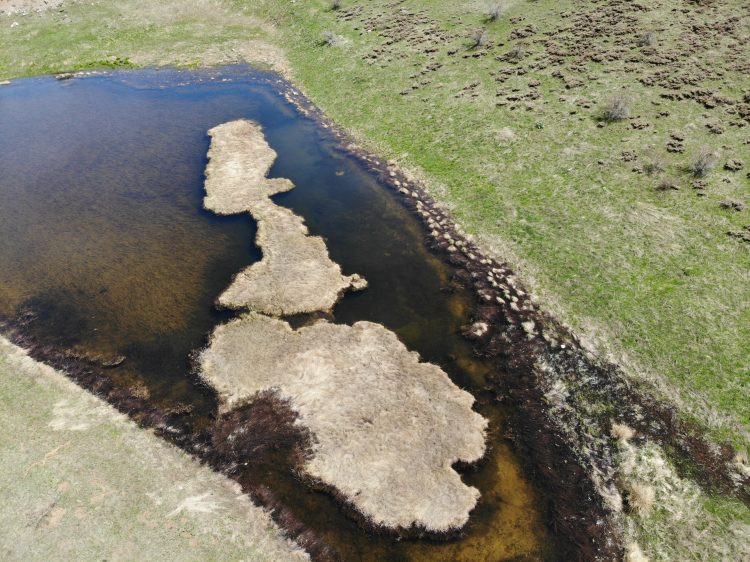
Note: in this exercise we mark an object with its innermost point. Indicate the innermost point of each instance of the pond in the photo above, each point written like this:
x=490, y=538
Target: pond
x=104, y=239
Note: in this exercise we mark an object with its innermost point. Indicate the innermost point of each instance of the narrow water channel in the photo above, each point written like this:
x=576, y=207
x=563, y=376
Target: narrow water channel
x=103, y=237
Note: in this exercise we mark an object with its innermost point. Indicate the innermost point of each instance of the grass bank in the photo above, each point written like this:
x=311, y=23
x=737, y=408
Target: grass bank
x=510, y=135
x=81, y=482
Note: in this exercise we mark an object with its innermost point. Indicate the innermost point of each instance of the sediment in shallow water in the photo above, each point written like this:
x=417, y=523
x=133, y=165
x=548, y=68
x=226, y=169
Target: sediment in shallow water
x=386, y=428
x=295, y=275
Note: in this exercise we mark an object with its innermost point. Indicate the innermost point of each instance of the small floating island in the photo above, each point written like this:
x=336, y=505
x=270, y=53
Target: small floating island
x=296, y=275
x=386, y=428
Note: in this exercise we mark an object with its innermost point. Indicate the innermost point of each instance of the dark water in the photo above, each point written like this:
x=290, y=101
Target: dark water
x=102, y=233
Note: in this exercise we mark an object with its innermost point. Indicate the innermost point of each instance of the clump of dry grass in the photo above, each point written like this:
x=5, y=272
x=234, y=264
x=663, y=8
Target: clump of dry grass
x=617, y=108
x=647, y=39
x=622, y=432
x=633, y=553
x=640, y=497
x=517, y=53
x=667, y=184
x=654, y=167
x=479, y=38
x=330, y=38
x=495, y=13
x=704, y=162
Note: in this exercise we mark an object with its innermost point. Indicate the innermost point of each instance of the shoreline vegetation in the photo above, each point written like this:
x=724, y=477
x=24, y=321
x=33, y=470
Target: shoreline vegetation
x=591, y=208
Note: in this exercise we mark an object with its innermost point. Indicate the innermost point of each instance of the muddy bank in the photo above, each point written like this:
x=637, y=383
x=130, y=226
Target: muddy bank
x=386, y=428
x=295, y=275
x=177, y=425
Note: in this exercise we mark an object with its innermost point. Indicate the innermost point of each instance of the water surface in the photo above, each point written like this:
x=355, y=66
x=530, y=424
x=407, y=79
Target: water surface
x=103, y=235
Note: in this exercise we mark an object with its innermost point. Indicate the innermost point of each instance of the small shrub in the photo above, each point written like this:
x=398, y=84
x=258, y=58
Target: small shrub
x=479, y=38
x=495, y=13
x=330, y=38
x=617, y=108
x=517, y=53
x=667, y=184
x=336, y=5
x=647, y=39
x=654, y=167
x=704, y=162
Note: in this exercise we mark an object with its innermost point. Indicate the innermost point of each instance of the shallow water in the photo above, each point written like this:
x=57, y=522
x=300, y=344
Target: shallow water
x=102, y=233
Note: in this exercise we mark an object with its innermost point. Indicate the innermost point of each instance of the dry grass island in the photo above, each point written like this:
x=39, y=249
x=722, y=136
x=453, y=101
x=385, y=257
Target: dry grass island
x=295, y=275
x=386, y=429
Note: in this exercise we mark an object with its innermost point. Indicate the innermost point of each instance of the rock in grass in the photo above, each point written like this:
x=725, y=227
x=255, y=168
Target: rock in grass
x=386, y=428
x=296, y=274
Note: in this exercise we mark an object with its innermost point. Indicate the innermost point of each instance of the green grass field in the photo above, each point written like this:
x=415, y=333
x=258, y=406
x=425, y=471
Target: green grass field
x=649, y=276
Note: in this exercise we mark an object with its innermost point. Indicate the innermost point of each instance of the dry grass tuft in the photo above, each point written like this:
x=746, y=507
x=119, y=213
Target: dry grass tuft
x=667, y=184
x=617, y=107
x=622, y=432
x=647, y=39
x=654, y=167
x=704, y=162
x=495, y=13
x=479, y=38
x=330, y=38
x=633, y=553
x=640, y=497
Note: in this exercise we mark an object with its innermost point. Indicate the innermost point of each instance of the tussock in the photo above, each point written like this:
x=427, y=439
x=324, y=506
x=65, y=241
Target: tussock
x=704, y=162
x=633, y=553
x=386, y=429
x=622, y=432
x=640, y=497
x=295, y=275
x=682, y=523
x=617, y=108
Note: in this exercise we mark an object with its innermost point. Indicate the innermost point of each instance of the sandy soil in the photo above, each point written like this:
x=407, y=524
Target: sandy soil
x=387, y=428
x=81, y=482
x=295, y=275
